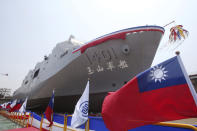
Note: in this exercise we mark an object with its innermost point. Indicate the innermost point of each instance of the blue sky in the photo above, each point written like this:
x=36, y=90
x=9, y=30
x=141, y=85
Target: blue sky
x=30, y=29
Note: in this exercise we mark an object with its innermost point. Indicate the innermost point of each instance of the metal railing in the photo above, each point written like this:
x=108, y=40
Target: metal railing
x=26, y=120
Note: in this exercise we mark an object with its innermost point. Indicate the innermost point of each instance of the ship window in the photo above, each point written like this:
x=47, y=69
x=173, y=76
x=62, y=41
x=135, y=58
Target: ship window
x=63, y=54
x=26, y=82
x=125, y=82
x=113, y=84
x=36, y=73
x=125, y=50
x=45, y=57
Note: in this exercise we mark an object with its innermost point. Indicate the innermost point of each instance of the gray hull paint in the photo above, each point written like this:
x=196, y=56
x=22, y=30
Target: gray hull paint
x=138, y=50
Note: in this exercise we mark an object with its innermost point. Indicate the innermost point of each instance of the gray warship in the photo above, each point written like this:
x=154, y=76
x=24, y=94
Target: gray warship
x=108, y=61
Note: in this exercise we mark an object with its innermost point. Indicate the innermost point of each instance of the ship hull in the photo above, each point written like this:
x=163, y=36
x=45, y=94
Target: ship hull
x=109, y=66
x=66, y=104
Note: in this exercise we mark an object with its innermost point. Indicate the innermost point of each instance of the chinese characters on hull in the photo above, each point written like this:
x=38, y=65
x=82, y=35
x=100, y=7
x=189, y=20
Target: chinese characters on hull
x=109, y=66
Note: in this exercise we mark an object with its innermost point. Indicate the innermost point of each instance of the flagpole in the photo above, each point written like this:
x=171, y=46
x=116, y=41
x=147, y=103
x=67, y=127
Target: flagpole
x=52, y=121
x=28, y=120
x=65, y=122
x=87, y=126
x=53, y=111
x=191, y=87
x=41, y=122
x=169, y=23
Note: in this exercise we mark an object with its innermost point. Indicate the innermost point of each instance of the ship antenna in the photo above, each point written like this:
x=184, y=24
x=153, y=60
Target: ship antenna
x=70, y=38
x=169, y=23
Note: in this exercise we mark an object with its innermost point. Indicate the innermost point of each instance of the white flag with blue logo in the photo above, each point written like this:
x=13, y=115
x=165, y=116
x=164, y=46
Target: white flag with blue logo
x=23, y=107
x=80, y=115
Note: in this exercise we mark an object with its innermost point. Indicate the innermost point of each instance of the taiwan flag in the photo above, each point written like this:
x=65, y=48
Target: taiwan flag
x=16, y=107
x=49, y=110
x=161, y=93
x=8, y=105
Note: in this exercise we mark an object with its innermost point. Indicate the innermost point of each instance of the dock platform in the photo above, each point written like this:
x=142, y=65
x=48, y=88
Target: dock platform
x=24, y=129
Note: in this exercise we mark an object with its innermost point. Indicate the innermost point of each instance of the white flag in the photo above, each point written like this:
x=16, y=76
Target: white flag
x=23, y=107
x=80, y=115
x=4, y=105
x=13, y=103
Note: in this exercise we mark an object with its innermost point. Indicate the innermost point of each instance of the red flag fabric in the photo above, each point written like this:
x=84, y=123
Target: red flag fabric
x=49, y=110
x=8, y=105
x=161, y=93
x=16, y=107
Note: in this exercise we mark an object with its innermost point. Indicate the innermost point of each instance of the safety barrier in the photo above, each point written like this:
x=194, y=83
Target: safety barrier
x=31, y=119
x=178, y=125
x=63, y=122
x=60, y=122
x=19, y=118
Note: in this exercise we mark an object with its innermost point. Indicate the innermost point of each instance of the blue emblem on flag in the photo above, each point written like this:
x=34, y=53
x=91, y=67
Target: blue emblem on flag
x=84, y=108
